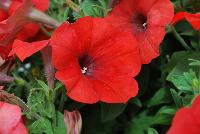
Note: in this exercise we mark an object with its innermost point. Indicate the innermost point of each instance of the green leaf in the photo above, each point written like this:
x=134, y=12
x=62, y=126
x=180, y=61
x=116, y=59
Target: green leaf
x=111, y=111
x=164, y=115
x=38, y=103
x=43, y=85
x=177, y=98
x=181, y=76
x=152, y=131
x=40, y=126
x=140, y=124
x=87, y=7
x=60, y=124
x=136, y=101
x=161, y=96
x=94, y=8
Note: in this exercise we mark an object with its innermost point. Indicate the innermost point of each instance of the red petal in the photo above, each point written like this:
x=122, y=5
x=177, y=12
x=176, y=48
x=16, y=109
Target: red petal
x=25, y=49
x=63, y=43
x=80, y=87
x=83, y=29
x=5, y=50
x=183, y=123
x=161, y=13
x=194, y=20
x=3, y=15
x=29, y=31
x=115, y=89
x=144, y=6
x=196, y=110
x=10, y=116
x=178, y=17
x=42, y=5
x=19, y=129
x=121, y=48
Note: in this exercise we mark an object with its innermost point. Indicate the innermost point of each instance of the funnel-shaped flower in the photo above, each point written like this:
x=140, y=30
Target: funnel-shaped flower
x=96, y=62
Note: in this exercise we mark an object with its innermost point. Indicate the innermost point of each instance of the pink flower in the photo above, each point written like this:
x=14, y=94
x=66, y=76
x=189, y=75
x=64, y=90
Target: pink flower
x=11, y=120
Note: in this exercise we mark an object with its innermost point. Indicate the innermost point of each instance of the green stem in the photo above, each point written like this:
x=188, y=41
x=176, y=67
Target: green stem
x=60, y=108
x=180, y=39
x=73, y=6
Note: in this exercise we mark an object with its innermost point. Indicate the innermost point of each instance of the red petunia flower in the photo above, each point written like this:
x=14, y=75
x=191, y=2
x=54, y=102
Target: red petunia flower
x=146, y=19
x=187, y=120
x=193, y=19
x=96, y=62
x=11, y=119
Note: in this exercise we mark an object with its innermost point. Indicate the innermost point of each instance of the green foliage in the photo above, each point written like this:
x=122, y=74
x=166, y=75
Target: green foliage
x=111, y=111
x=94, y=8
x=41, y=126
x=160, y=97
x=152, y=131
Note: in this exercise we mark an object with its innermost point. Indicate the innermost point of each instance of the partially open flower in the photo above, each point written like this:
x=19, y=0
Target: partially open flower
x=146, y=19
x=73, y=122
x=11, y=119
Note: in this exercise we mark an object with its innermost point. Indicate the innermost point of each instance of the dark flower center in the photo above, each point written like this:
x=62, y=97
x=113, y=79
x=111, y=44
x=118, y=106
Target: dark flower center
x=84, y=63
x=139, y=22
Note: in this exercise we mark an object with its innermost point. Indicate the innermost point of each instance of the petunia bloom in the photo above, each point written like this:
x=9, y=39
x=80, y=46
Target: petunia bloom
x=96, y=62
x=11, y=119
x=146, y=19
x=187, y=120
x=193, y=19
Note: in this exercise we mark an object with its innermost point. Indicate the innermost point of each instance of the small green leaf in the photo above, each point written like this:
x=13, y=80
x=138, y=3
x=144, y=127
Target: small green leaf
x=43, y=85
x=140, y=124
x=152, y=131
x=40, y=126
x=38, y=103
x=161, y=96
x=111, y=111
x=177, y=98
x=164, y=115
x=136, y=101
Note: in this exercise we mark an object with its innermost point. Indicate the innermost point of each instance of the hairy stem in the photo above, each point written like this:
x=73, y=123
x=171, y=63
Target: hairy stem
x=180, y=39
x=73, y=6
x=48, y=66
